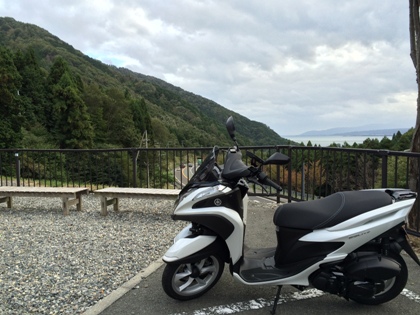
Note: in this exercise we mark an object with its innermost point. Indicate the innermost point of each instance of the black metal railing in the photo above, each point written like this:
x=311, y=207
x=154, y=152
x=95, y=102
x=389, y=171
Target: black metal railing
x=312, y=173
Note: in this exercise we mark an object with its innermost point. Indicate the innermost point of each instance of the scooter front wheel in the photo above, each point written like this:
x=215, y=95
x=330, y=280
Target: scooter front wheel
x=191, y=280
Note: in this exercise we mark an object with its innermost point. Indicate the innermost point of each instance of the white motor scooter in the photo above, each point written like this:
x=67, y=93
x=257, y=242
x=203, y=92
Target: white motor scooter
x=347, y=244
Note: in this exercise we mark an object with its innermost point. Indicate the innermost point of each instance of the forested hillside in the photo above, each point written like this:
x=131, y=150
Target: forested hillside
x=53, y=96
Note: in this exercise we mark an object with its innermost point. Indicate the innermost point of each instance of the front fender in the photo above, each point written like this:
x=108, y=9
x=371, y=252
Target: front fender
x=184, y=247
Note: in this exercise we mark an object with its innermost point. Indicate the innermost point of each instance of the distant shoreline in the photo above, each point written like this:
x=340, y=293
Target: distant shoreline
x=337, y=139
x=351, y=133
x=342, y=135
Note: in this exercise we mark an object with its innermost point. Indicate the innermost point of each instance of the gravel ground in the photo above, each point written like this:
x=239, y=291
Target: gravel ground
x=55, y=264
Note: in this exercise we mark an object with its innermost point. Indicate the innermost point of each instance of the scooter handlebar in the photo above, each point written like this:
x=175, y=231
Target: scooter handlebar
x=263, y=179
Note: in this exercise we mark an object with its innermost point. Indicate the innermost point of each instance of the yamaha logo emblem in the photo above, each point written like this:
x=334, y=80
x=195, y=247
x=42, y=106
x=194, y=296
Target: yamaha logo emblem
x=217, y=202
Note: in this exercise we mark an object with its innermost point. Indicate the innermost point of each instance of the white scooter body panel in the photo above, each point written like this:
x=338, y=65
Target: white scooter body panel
x=176, y=251
x=185, y=247
x=353, y=233
x=234, y=241
x=398, y=210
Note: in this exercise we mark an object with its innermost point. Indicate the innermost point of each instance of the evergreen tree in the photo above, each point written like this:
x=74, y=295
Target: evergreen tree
x=94, y=98
x=162, y=135
x=68, y=116
x=10, y=82
x=121, y=129
x=32, y=92
x=141, y=117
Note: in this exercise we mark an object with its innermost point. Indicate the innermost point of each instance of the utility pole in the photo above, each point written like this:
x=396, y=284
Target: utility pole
x=147, y=156
x=145, y=139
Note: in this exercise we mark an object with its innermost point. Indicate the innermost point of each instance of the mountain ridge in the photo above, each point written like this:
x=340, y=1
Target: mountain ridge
x=354, y=131
x=179, y=117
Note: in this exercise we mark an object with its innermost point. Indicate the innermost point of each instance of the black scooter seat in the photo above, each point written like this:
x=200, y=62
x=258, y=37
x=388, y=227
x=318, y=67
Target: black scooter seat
x=329, y=211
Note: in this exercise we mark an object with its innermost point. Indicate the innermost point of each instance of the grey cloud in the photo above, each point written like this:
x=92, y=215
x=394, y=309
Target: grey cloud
x=260, y=58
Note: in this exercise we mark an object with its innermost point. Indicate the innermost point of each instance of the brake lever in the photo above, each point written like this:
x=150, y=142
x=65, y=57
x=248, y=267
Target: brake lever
x=255, y=181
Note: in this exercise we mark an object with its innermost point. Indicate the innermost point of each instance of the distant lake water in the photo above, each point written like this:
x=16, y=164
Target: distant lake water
x=325, y=141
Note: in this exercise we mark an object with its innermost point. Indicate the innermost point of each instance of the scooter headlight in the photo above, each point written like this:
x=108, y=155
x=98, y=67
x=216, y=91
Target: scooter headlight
x=183, y=196
x=208, y=192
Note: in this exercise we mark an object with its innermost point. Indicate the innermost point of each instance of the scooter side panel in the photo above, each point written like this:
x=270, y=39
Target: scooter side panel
x=352, y=233
x=397, y=209
x=361, y=230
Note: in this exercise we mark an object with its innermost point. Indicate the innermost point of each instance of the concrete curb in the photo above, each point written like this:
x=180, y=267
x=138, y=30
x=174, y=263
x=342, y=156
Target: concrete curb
x=101, y=305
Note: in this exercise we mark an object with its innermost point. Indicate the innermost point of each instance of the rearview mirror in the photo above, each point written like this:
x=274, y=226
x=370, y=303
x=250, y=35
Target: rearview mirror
x=230, y=126
x=277, y=159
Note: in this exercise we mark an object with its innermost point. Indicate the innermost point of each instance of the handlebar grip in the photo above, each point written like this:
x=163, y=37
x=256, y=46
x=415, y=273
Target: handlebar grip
x=263, y=178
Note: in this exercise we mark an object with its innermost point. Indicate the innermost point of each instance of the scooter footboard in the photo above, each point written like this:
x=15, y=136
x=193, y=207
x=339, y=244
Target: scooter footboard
x=185, y=247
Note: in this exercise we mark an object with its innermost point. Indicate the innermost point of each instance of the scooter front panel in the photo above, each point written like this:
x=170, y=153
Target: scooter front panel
x=224, y=222
x=185, y=247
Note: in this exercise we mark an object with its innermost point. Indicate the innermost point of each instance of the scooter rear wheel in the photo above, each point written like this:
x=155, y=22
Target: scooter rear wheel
x=191, y=280
x=393, y=287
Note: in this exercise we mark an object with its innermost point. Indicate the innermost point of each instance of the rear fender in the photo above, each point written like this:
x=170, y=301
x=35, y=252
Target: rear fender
x=403, y=241
x=399, y=241
x=400, y=237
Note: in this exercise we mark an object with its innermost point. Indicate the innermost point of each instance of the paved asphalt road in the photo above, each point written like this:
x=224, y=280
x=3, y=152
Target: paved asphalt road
x=232, y=297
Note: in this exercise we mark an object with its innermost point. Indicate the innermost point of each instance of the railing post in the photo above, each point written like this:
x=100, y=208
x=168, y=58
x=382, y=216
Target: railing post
x=289, y=175
x=384, y=157
x=278, y=179
x=17, y=164
x=134, y=155
x=302, y=189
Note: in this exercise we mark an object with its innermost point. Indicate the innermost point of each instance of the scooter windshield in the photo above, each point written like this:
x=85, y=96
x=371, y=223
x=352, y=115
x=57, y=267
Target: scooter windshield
x=207, y=174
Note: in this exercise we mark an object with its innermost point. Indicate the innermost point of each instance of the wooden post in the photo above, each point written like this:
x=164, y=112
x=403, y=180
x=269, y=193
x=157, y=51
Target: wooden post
x=8, y=200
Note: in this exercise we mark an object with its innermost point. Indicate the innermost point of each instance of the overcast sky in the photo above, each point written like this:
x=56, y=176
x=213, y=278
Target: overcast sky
x=292, y=65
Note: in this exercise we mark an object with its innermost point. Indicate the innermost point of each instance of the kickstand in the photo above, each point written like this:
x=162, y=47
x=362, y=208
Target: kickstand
x=276, y=300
